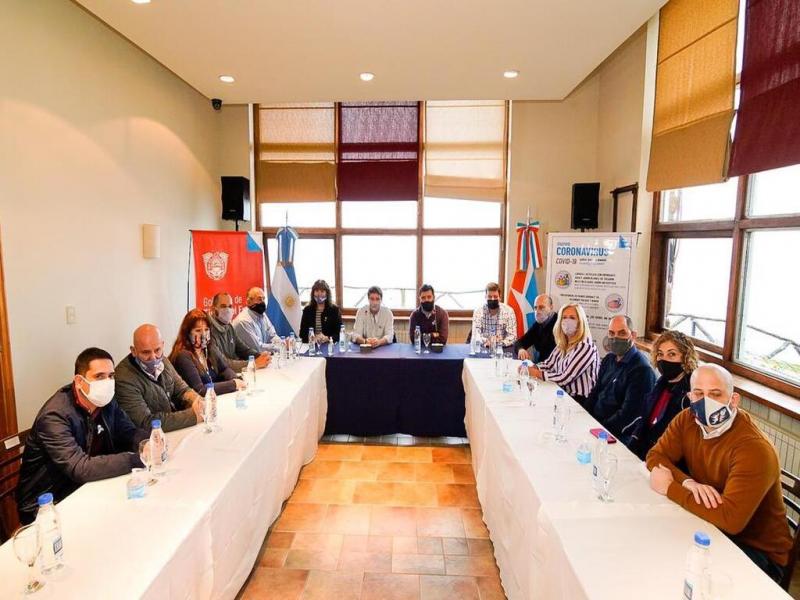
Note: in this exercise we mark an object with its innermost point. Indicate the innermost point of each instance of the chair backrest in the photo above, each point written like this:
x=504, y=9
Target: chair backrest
x=791, y=498
x=11, y=449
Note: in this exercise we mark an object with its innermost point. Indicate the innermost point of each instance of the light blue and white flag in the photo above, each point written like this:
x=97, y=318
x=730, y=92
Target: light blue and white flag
x=283, y=306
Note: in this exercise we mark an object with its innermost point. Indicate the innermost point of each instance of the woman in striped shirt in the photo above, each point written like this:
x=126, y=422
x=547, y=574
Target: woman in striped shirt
x=574, y=363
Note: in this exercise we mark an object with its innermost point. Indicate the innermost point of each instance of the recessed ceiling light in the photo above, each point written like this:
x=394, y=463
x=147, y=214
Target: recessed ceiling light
x=511, y=74
x=226, y=78
x=141, y=1
x=367, y=76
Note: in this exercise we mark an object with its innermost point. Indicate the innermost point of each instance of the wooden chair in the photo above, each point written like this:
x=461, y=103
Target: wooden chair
x=791, y=498
x=11, y=449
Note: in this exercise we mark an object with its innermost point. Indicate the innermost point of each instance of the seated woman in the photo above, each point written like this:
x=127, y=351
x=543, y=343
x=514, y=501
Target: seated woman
x=573, y=363
x=675, y=357
x=198, y=361
x=321, y=314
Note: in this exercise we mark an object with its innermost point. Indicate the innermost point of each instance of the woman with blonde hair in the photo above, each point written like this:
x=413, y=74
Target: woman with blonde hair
x=675, y=357
x=574, y=362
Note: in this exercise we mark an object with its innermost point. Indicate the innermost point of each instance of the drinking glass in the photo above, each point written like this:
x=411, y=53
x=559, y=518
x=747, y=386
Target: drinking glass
x=298, y=346
x=608, y=468
x=27, y=546
x=426, y=339
x=507, y=364
x=146, y=455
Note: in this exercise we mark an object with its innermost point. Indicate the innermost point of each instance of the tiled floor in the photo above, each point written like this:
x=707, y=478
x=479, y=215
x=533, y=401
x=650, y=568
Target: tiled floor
x=380, y=522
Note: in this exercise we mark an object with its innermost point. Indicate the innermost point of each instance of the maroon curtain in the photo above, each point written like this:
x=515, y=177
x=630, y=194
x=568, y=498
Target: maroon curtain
x=767, y=132
x=378, y=151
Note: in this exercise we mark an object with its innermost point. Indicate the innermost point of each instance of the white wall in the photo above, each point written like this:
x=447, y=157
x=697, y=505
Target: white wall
x=97, y=138
x=233, y=147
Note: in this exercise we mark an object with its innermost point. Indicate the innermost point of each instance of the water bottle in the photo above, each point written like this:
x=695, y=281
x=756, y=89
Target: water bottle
x=52, y=555
x=696, y=582
x=417, y=340
x=312, y=342
x=342, y=340
x=251, y=374
x=598, y=456
x=290, y=348
x=558, y=414
x=330, y=346
x=498, y=360
x=158, y=448
x=210, y=408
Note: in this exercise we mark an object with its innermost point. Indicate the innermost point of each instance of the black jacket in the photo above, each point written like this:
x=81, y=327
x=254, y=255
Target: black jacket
x=639, y=435
x=331, y=321
x=56, y=457
x=218, y=373
x=540, y=336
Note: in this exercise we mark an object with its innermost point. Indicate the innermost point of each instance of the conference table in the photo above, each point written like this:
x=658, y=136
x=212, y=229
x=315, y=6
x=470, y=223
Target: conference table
x=553, y=539
x=198, y=531
x=391, y=389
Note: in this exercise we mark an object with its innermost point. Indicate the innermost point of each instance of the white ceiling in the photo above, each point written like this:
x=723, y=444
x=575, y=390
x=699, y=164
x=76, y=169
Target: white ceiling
x=313, y=50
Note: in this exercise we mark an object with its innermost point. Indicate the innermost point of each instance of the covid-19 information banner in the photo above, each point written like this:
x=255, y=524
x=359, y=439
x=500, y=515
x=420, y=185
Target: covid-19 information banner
x=593, y=270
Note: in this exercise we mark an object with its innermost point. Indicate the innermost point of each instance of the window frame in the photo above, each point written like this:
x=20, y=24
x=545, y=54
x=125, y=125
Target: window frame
x=737, y=229
x=337, y=232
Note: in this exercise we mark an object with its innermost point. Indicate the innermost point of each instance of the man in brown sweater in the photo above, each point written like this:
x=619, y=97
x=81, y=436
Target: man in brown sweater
x=734, y=474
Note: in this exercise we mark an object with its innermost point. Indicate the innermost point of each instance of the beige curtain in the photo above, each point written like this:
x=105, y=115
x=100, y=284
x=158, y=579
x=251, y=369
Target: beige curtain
x=296, y=159
x=465, y=149
x=695, y=82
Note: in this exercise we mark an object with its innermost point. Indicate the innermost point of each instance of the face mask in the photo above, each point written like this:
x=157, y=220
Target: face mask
x=711, y=413
x=426, y=306
x=320, y=299
x=200, y=340
x=493, y=304
x=153, y=367
x=569, y=327
x=259, y=307
x=669, y=369
x=101, y=391
x=619, y=346
x=542, y=316
x=224, y=315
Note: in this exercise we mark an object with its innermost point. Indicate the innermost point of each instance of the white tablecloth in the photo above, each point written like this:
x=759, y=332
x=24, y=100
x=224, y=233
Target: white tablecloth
x=552, y=537
x=199, y=529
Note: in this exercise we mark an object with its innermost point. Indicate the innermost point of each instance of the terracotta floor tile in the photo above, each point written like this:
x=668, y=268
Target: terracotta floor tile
x=405, y=544
x=280, y=539
x=362, y=471
x=439, y=522
x=339, y=452
x=490, y=588
x=321, y=469
x=312, y=559
x=429, y=545
x=333, y=585
x=273, y=557
x=367, y=543
x=367, y=562
x=473, y=523
x=274, y=584
x=477, y=566
x=459, y=455
x=329, y=542
x=382, y=453
x=463, y=474
x=349, y=520
x=414, y=494
x=434, y=472
x=393, y=520
x=457, y=494
x=480, y=547
x=448, y=587
x=390, y=586
x=324, y=491
x=415, y=454
x=373, y=492
x=302, y=517
x=455, y=546
x=393, y=471
x=424, y=564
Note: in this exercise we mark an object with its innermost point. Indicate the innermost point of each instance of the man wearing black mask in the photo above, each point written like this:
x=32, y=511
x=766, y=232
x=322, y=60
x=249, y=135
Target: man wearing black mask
x=429, y=317
x=252, y=326
x=624, y=380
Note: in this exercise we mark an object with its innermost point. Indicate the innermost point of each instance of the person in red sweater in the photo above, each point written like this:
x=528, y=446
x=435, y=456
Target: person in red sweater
x=733, y=478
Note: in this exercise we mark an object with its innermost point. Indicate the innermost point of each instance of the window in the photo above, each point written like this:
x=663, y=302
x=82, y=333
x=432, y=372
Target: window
x=298, y=214
x=459, y=267
x=379, y=215
x=701, y=203
x=313, y=260
x=447, y=213
x=775, y=192
x=388, y=261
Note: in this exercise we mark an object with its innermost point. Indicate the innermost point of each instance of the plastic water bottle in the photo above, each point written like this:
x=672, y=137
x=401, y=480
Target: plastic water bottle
x=290, y=347
x=210, y=408
x=498, y=360
x=698, y=568
x=312, y=342
x=52, y=556
x=417, y=340
x=598, y=456
x=331, y=346
x=250, y=373
x=474, y=343
x=158, y=448
x=559, y=410
x=342, y=340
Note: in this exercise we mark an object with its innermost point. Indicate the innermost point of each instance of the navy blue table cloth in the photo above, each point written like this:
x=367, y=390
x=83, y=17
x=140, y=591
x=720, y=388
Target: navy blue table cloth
x=394, y=390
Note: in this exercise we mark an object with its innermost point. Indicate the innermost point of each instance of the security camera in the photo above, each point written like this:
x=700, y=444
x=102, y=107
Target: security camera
x=216, y=103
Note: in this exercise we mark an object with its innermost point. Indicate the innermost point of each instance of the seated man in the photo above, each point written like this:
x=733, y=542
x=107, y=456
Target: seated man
x=624, y=380
x=540, y=336
x=429, y=317
x=374, y=323
x=149, y=388
x=226, y=340
x=494, y=320
x=252, y=326
x=79, y=435
x=734, y=477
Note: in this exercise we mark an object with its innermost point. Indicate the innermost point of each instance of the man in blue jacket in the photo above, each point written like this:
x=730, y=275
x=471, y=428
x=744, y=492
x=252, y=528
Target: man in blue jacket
x=624, y=380
x=79, y=435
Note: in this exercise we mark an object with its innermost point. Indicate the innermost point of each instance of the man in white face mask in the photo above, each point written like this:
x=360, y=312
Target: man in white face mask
x=733, y=479
x=226, y=340
x=79, y=435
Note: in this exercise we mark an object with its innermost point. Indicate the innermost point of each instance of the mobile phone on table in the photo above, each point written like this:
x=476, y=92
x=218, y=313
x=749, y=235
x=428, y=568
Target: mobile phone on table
x=596, y=433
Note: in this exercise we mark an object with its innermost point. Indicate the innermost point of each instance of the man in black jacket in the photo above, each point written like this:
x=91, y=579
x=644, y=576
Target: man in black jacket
x=79, y=435
x=540, y=335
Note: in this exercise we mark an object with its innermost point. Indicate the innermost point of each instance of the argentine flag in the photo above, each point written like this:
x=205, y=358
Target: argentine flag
x=283, y=305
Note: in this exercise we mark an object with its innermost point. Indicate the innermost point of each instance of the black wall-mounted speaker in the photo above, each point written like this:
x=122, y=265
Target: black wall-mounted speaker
x=235, y=198
x=585, y=205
